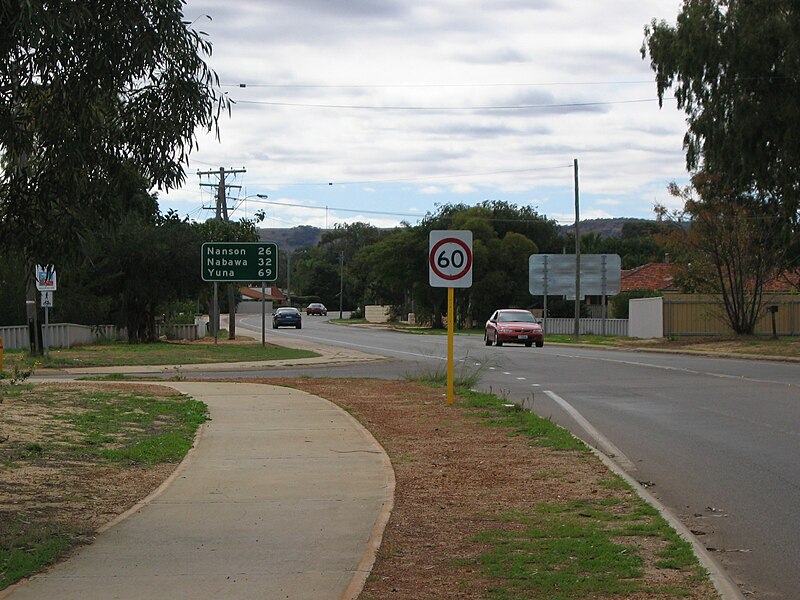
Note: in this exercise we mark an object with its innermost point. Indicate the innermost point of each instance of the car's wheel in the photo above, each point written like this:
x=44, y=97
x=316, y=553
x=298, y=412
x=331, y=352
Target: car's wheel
x=486, y=339
x=299, y=326
x=539, y=344
x=498, y=342
x=274, y=326
x=528, y=344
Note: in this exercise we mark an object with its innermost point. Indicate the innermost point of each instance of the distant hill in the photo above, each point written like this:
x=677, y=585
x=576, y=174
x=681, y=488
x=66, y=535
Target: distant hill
x=292, y=238
x=604, y=227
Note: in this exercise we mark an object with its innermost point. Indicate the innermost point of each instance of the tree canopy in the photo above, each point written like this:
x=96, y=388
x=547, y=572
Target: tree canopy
x=88, y=89
x=733, y=65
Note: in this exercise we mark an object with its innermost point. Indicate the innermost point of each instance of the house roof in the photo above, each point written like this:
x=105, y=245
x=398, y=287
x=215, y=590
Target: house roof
x=787, y=282
x=650, y=277
x=659, y=277
x=254, y=293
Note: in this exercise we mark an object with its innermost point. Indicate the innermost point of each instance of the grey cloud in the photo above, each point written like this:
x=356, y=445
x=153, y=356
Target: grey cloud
x=469, y=130
x=498, y=56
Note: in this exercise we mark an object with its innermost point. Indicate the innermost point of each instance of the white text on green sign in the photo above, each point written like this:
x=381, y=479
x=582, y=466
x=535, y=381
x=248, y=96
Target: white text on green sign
x=239, y=261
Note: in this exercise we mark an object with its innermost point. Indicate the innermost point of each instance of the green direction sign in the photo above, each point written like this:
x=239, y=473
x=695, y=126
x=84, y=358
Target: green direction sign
x=239, y=261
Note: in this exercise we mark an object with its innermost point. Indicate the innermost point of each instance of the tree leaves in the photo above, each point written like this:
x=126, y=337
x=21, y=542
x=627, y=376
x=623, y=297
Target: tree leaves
x=85, y=89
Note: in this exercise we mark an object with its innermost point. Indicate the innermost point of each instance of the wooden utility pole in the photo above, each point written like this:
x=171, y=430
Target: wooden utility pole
x=577, y=257
x=221, y=209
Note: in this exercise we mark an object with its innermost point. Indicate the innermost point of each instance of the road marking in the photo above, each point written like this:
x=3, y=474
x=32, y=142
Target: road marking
x=603, y=443
x=520, y=379
x=636, y=363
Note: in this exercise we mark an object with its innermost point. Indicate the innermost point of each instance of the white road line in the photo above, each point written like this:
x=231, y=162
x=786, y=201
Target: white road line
x=636, y=363
x=603, y=443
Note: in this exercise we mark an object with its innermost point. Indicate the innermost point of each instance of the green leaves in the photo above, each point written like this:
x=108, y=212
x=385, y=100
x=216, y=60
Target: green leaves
x=732, y=66
x=86, y=88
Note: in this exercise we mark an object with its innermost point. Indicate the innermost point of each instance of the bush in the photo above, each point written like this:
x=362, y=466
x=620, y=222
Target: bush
x=618, y=305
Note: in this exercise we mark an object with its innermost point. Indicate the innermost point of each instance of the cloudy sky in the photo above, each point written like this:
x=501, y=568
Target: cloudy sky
x=380, y=110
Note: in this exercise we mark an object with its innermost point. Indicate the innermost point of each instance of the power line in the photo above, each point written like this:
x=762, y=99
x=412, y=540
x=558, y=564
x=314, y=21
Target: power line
x=428, y=85
x=326, y=208
x=412, y=179
x=447, y=108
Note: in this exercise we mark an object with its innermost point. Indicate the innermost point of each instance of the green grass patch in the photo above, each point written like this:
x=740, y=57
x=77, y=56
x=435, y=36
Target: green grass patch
x=162, y=353
x=135, y=428
x=590, y=339
x=84, y=425
x=28, y=547
x=497, y=412
x=578, y=550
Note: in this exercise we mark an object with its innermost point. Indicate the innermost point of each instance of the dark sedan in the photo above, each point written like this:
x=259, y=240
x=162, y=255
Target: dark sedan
x=287, y=317
x=513, y=326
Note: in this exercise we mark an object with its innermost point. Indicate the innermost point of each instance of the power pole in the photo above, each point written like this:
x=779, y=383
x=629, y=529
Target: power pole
x=222, y=215
x=221, y=186
x=577, y=256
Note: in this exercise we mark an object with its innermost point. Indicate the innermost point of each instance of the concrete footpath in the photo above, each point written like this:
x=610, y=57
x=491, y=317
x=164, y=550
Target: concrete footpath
x=284, y=496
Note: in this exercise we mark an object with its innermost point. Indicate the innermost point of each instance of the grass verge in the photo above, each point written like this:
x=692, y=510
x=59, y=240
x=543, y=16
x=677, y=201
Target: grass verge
x=83, y=434
x=162, y=353
x=580, y=548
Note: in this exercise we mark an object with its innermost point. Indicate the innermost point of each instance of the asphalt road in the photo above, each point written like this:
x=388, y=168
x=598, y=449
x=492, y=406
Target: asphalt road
x=716, y=440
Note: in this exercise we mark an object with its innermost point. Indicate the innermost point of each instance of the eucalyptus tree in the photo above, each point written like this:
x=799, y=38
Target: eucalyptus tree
x=732, y=66
x=86, y=89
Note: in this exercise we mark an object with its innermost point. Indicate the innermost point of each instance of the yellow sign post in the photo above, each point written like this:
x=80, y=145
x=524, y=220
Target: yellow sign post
x=450, y=327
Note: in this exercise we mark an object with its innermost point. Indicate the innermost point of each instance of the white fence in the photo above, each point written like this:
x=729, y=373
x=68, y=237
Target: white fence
x=587, y=326
x=67, y=335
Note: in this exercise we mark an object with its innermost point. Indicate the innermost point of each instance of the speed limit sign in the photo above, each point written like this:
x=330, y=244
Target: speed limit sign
x=450, y=259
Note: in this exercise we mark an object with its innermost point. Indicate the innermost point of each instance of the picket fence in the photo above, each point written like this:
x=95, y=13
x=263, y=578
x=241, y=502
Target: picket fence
x=67, y=335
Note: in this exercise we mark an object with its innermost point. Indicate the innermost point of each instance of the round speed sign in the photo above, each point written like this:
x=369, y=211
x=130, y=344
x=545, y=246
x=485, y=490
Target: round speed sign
x=450, y=259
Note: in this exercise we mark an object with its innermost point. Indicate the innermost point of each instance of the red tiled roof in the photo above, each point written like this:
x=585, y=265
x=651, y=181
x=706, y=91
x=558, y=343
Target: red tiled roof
x=649, y=277
x=659, y=277
x=786, y=283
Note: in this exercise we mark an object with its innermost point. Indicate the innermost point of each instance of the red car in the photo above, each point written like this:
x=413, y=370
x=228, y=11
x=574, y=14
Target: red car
x=316, y=308
x=515, y=326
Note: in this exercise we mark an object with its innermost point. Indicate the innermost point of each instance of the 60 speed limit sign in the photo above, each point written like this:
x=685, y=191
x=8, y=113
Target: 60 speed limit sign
x=450, y=259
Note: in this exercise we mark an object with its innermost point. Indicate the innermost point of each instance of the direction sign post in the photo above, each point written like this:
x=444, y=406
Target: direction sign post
x=450, y=266
x=238, y=261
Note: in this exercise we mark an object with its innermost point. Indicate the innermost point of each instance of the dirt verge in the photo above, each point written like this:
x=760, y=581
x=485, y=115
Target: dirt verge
x=457, y=478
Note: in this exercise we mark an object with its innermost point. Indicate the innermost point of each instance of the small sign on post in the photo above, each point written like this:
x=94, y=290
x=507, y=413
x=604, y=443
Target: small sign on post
x=450, y=266
x=46, y=283
x=45, y=278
